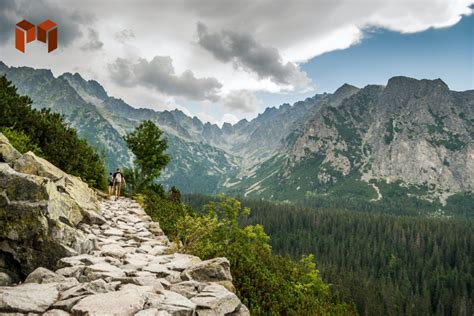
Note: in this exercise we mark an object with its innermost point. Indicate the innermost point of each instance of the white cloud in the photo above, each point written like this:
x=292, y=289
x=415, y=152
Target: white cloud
x=124, y=35
x=245, y=52
x=159, y=74
x=295, y=30
x=242, y=101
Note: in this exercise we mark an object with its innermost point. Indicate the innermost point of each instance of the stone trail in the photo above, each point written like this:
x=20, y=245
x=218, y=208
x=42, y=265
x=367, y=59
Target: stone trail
x=131, y=271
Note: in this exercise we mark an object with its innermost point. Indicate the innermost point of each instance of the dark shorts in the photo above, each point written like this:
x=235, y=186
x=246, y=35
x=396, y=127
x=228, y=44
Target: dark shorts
x=111, y=184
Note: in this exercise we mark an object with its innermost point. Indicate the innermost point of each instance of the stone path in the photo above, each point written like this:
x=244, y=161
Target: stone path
x=131, y=272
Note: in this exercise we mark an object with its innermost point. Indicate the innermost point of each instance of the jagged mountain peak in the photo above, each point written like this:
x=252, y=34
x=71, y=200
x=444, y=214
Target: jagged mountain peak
x=242, y=121
x=227, y=128
x=85, y=87
x=401, y=84
x=381, y=132
x=345, y=89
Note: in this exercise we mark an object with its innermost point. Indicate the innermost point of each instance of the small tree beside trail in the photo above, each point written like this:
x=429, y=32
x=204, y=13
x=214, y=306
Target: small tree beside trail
x=149, y=147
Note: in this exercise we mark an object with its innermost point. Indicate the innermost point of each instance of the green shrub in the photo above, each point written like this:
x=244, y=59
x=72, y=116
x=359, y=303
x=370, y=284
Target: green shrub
x=268, y=284
x=48, y=132
x=21, y=141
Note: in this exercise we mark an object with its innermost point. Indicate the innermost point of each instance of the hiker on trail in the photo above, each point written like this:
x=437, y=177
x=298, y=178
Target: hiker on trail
x=111, y=184
x=118, y=179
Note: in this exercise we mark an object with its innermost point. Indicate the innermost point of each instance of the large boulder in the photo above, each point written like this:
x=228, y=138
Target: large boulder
x=40, y=210
x=213, y=270
x=79, y=192
x=216, y=300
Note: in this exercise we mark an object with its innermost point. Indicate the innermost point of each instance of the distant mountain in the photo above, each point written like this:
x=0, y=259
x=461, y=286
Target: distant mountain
x=416, y=132
x=57, y=94
x=415, y=135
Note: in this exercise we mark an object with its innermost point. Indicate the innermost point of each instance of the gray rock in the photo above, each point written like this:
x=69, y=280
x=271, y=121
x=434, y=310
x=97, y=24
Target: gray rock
x=171, y=302
x=242, y=310
x=79, y=260
x=94, y=287
x=217, y=269
x=43, y=275
x=73, y=187
x=174, y=277
x=74, y=271
x=113, y=232
x=215, y=300
x=67, y=304
x=158, y=250
x=46, y=205
x=37, y=211
x=180, y=261
x=158, y=269
x=124, y=302
x=188, y=289
x=138, y=260
x=28, y=297
x=102, y=270
x=113, y=250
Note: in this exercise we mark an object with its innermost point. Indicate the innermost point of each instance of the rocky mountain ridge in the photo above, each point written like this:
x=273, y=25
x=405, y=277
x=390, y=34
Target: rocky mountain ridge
x=414, y=131
x=74, y=254
x=358, y=136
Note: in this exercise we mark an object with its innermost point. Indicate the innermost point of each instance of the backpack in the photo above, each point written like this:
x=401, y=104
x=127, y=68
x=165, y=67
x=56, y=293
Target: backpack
x=118, y=177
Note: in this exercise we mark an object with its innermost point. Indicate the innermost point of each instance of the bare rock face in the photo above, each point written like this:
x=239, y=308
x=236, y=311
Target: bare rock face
x=78, y=191
x=40, y=210
x=415, y=131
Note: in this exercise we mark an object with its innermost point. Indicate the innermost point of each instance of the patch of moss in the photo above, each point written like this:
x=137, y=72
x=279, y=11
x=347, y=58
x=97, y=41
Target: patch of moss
x=20, y=222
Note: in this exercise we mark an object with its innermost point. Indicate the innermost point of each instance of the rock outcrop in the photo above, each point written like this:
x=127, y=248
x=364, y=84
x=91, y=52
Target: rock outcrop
x=83, y=256
x=40, y=210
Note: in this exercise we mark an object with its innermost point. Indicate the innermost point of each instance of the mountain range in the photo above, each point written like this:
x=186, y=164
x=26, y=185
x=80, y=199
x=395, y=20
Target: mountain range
x=412, y=135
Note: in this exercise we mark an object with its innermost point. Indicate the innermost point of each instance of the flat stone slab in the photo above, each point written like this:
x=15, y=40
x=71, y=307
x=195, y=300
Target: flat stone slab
x=102, y=270
x=113, y=232
x=171, y=302
x=28, y=297
x=113, y=250
x=124, y=302
x=158, y=269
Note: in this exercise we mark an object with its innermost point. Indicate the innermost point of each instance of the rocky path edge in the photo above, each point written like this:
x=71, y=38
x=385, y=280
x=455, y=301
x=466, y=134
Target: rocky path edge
x=131, y=271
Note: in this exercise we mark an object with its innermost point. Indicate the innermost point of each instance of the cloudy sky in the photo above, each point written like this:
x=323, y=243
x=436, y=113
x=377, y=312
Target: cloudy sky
x=225, y=60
